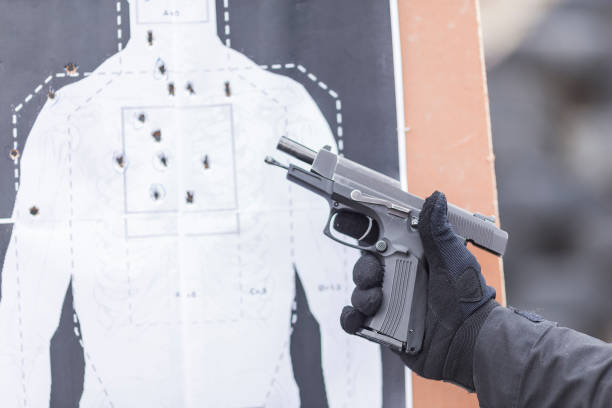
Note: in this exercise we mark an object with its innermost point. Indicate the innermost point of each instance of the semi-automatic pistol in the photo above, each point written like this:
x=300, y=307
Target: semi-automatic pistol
x=393, y=215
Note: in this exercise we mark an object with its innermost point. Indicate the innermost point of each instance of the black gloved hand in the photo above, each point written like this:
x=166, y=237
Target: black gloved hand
x=458, y=303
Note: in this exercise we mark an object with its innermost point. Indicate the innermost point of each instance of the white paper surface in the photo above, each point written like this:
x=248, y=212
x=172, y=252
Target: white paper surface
x=180, y=304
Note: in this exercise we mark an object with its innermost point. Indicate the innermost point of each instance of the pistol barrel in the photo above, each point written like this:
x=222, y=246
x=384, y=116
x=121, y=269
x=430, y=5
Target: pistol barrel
x=296, y=150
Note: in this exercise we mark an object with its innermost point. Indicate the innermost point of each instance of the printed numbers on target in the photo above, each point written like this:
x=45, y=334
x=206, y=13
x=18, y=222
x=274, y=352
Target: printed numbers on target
x=331, y=287
x=258, y=291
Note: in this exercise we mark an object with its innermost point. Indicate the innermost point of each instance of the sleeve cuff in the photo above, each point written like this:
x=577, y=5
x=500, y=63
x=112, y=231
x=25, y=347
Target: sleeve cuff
x=501, y=354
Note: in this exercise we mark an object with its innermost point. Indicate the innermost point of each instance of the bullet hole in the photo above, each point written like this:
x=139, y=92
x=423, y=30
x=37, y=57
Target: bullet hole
x=14, y=154
x=163, y=159
x=139, y=119
x=160, y=70
x=171, y=89
x=119, y=162
x=228, y=91
x=205, y=162
x=189, y=197
x=71, y=68
x=150, y=37
x=156, y=134
x=34, y=210
x=51, y=94
x=157, y=192
x=190, y=88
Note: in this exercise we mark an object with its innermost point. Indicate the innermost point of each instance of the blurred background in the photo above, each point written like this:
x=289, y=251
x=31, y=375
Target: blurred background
x=549, y=66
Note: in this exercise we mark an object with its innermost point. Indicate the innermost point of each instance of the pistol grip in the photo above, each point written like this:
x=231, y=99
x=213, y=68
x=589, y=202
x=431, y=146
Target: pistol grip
x=400, y=321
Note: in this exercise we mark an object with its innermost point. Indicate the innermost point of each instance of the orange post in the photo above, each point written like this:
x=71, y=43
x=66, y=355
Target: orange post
x=448, y=140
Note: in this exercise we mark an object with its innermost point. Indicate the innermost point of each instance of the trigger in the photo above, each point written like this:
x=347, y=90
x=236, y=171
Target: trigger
x=367, y=231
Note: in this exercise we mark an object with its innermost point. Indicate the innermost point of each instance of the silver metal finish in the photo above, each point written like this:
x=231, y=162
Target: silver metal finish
x=273, y=162
x=365, y=198
x=349, y=186
x=365, y=234
x=296, y=150
x=381, y=246
x=490, y=218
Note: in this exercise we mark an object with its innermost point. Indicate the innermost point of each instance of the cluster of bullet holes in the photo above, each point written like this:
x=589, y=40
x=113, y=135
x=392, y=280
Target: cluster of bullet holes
x=161, y=160
x=161, y=70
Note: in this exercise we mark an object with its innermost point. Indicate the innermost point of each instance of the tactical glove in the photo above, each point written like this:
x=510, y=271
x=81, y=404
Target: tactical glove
x=458, y=303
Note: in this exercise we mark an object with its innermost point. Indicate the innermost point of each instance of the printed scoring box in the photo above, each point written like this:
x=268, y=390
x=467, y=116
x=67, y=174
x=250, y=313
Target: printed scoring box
x=180, y=173
x=172, y=11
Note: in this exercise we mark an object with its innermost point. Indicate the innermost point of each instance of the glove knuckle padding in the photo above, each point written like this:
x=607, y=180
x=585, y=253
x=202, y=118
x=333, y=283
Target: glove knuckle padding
x=468, y=286
x=367, y=297
x=351, y=319
x=367, y=301
x=367, y=272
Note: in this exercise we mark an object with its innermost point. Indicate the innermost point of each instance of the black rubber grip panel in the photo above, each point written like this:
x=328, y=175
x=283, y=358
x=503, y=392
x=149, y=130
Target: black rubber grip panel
x=483, y=233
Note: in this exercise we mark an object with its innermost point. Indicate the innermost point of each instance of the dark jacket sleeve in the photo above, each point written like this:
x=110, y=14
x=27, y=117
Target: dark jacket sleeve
x=521, y=360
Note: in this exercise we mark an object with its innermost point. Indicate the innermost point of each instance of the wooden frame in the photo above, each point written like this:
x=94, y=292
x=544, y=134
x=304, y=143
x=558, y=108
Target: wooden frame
x=448, y=133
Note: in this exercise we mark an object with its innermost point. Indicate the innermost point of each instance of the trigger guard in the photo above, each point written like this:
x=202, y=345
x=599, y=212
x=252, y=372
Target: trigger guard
x=327, y=231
